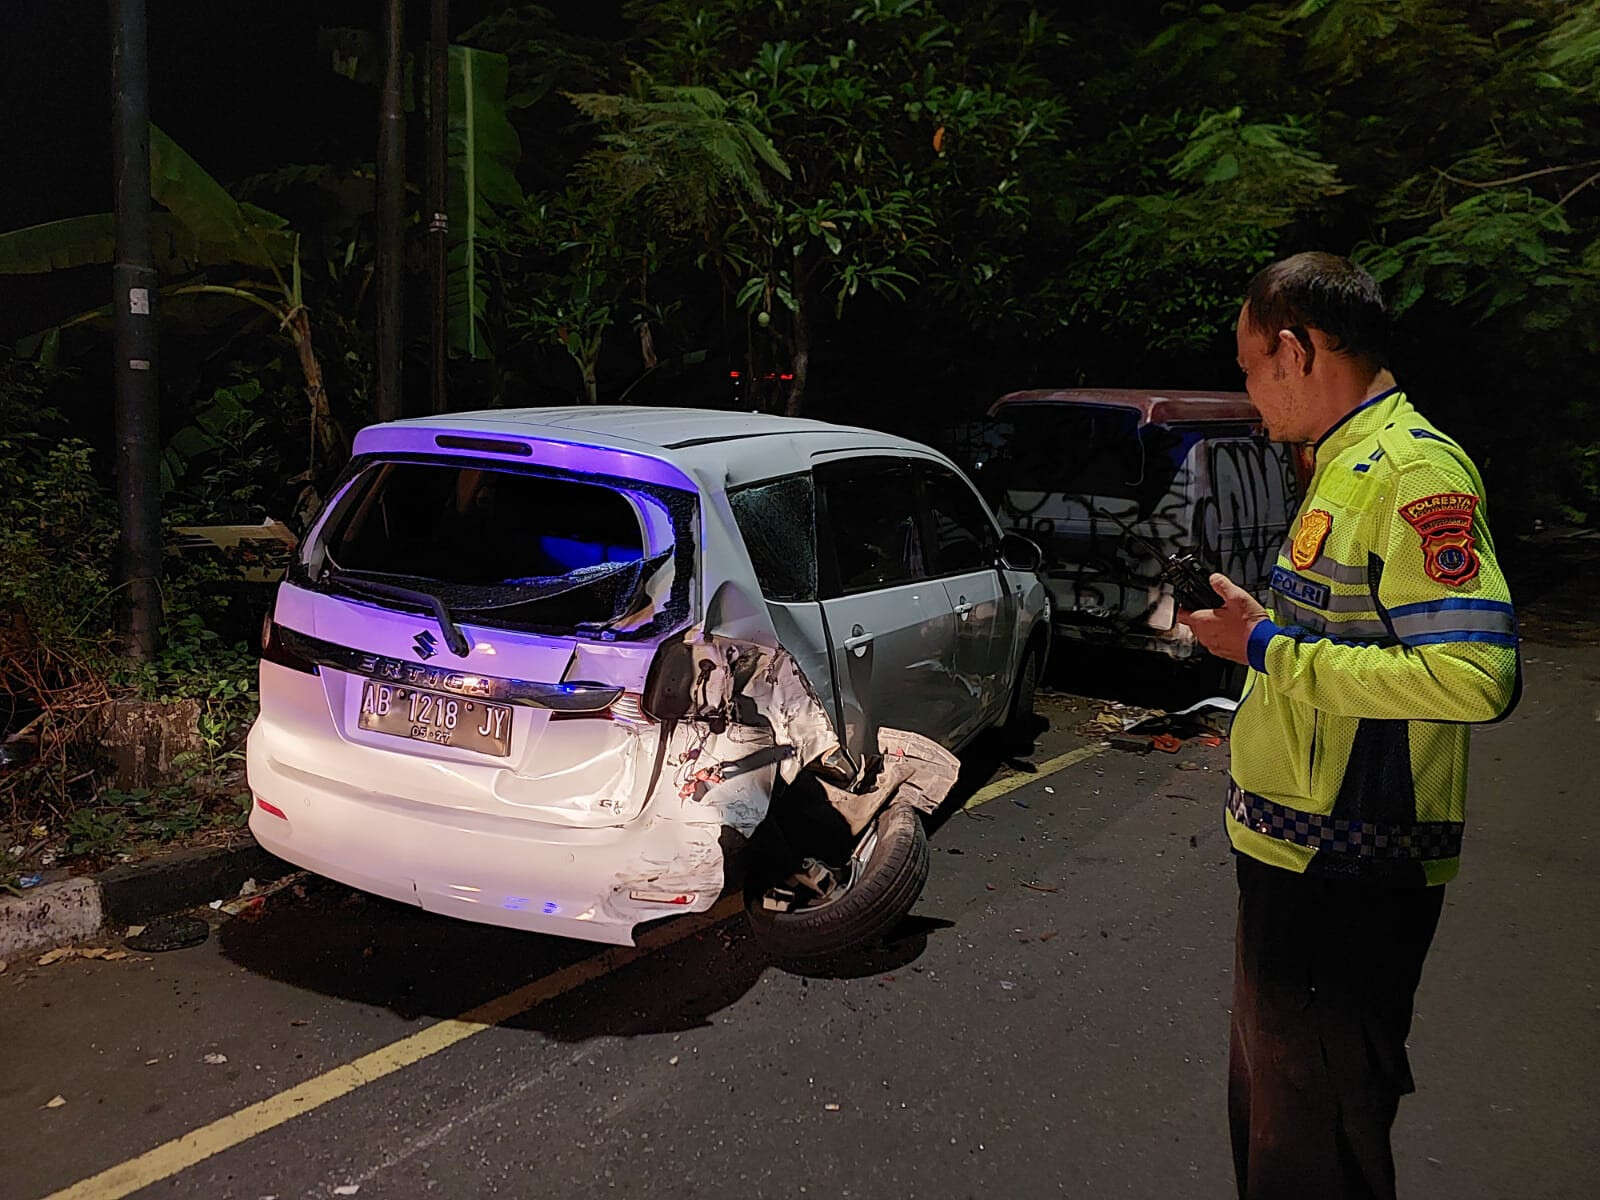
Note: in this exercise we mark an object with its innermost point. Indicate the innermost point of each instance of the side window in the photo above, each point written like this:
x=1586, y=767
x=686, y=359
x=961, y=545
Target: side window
x=778, y=523
x=963, y=532
x=872, y=518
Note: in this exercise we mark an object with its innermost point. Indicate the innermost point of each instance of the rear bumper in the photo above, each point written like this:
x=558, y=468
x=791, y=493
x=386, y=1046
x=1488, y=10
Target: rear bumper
x=514, y=872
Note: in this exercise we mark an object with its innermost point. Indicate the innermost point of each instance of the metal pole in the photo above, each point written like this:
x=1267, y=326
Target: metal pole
x=133, y=305
x=391, y=213
x=438, y=114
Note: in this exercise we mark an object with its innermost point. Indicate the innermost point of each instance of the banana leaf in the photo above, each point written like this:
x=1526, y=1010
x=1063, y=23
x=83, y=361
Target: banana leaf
x=242, y=233
x=203, y=227
x=483, y=153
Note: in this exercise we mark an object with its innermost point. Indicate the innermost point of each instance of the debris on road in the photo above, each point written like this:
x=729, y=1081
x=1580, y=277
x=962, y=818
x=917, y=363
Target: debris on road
x=51, y=957
x=831, y=1107
x=1006, y=985
x=1040, y=887
x=214, y=1059
x=251, y=901
x=1047, y=935
x=55, y=1102
x=348, y=1189
x=28, y=881
x=170, y=933
x=1167, y=743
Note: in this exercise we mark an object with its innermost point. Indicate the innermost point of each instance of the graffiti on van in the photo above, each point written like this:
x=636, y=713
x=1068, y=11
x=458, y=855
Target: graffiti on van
x=1222, y=493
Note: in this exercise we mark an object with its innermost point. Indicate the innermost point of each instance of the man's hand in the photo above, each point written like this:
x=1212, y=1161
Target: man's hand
x=1225, y=631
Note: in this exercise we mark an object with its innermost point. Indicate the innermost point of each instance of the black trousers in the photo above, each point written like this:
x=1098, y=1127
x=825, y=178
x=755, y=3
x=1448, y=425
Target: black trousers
x=1323, y=979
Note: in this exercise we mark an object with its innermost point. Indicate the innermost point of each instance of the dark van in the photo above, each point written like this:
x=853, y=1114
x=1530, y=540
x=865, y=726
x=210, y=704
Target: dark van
x=1192, y=472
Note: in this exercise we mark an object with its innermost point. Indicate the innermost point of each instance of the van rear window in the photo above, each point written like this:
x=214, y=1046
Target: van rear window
x=1082, y=449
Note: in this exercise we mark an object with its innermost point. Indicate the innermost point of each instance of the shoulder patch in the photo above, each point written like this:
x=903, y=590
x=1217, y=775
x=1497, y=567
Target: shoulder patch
x=1444, y=522
x=1309, y=538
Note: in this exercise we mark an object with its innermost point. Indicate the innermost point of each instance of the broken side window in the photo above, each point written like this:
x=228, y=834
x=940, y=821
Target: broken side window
x=778, y=522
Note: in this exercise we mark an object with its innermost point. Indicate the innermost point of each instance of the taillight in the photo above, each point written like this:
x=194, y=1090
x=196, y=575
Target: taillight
x=625, y=709
x=274, y=648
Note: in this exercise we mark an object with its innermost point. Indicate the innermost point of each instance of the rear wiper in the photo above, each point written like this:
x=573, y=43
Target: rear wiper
x=453, y=637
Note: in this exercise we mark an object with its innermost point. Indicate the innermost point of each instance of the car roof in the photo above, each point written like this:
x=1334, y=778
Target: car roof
x=1159, y=407
x=737, y=446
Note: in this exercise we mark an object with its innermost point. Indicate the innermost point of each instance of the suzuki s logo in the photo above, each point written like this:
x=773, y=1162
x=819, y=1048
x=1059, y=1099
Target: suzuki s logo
x=426, y=644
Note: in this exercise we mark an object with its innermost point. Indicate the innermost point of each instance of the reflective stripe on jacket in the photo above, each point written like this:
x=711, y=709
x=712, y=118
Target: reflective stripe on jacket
x=1390, y=630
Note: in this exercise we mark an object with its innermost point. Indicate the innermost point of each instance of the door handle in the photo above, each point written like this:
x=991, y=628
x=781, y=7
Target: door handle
x=963, y=609
x=858, y=641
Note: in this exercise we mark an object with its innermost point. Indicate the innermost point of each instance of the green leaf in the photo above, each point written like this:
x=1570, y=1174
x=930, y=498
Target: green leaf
x=483, y=154
x=1225, y=168
x=215, y=218
x=58, y=245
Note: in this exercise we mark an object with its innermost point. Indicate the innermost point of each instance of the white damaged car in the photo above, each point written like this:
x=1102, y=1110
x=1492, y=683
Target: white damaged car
x=552, y=668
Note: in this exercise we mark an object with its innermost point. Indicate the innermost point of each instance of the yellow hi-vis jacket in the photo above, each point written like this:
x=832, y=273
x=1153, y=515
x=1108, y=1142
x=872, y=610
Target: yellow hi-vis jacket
x=1390, y=629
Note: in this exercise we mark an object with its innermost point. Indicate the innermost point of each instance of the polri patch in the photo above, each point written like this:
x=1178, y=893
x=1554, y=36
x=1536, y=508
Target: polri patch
x=1298, y=587
x=1444, y=522
x=1308, y=540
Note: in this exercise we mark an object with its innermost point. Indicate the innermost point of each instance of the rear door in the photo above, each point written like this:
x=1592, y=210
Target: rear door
x=965, y=546
x=1247, y=514
x=890, y=625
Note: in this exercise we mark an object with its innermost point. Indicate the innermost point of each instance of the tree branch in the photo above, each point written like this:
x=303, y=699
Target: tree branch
x=1494, y=183
x=1579, y=188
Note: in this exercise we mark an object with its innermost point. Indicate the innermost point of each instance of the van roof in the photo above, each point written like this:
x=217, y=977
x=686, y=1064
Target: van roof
x=1158, y=407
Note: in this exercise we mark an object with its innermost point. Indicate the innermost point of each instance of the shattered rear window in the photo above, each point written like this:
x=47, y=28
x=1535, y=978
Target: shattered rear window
x=470, y=525
x=778, y=523
x=510, y=547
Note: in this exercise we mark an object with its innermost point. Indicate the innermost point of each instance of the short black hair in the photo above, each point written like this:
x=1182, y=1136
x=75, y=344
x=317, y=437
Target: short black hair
x=1322, y=291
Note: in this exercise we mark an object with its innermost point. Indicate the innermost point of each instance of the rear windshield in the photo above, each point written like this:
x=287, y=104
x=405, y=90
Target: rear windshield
x=505, y=546
x=473, y=525
x=1080, y=450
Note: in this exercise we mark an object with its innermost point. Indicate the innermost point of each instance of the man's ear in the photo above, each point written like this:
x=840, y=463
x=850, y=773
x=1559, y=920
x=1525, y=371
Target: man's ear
x=1299, y=348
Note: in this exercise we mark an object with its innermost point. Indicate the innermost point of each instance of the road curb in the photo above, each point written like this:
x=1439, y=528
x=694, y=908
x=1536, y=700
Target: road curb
x=70, y=910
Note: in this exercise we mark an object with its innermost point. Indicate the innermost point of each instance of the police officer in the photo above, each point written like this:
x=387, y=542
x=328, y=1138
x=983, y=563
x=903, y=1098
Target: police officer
x=1389, y=630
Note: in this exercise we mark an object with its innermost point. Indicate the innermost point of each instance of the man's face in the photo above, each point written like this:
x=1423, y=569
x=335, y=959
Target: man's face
x=1272, y=382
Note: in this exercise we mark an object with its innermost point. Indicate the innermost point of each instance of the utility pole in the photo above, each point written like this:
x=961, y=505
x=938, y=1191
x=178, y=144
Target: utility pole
x=391, y=213
x=438, y=225
x=133, y=303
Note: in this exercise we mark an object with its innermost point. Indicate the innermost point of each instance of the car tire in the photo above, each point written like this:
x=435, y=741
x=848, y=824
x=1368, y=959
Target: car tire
x=880, y=891
x=1021, y=724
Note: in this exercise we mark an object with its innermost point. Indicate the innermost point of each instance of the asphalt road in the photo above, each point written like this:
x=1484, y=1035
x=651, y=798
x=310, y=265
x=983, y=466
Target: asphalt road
x=1064, y=1038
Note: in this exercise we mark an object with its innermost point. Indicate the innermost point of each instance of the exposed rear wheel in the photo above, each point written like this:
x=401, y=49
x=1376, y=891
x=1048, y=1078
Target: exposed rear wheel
x=821, y=910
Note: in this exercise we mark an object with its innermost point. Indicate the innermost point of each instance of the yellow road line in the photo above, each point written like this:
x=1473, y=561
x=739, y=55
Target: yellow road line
x=199, y=1144
x=1050, y=766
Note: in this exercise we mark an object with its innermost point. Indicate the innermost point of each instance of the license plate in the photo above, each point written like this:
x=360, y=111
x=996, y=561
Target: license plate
x=434, y=717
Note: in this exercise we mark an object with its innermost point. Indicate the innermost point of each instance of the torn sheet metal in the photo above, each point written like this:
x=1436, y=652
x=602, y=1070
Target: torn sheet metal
x=749, y=718
x=913, y=770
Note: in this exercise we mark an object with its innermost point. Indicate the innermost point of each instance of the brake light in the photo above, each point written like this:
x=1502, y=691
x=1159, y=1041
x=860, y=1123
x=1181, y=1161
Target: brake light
x=625, y=709
x=274, y=649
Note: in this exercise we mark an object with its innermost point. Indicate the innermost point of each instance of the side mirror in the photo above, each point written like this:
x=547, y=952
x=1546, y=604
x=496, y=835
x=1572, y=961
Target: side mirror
x=1018, y=553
